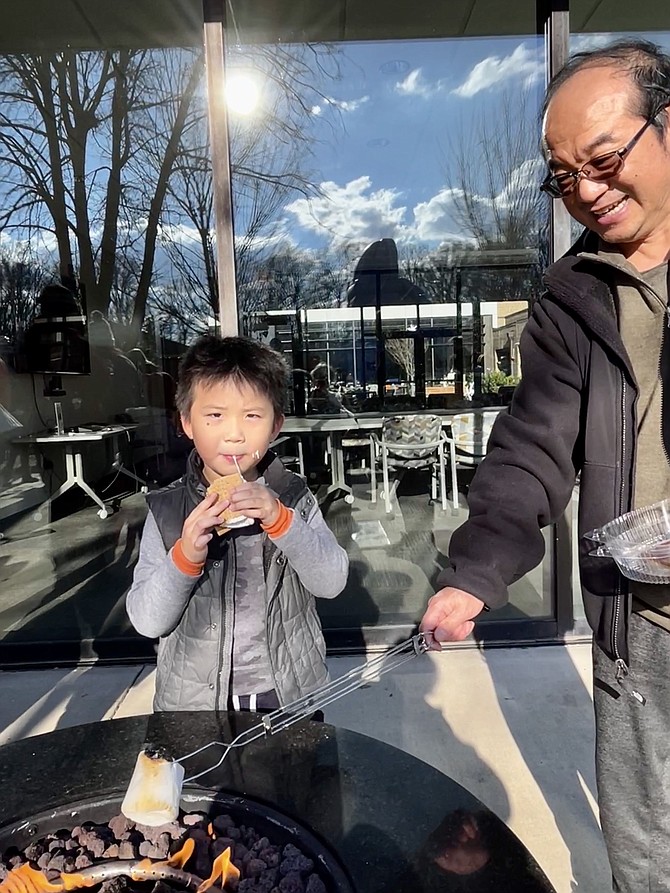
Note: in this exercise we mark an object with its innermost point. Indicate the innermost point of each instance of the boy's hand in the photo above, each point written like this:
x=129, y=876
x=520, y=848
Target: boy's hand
x=197, y=530
x=255, y=501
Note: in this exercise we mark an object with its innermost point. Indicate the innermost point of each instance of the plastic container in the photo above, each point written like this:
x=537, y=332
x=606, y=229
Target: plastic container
x=639, y=542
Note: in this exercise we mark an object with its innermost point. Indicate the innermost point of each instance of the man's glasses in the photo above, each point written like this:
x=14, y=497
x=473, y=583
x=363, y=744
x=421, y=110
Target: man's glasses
x=603, y=167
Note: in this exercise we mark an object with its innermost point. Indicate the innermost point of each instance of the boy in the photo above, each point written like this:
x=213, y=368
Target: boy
x=235, y=612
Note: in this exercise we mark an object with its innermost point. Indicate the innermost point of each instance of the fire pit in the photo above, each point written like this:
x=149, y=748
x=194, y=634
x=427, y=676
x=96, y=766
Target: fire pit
x=362, y=816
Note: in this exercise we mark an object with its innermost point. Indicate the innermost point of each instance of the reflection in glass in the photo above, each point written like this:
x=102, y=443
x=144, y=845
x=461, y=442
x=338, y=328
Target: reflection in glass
x=403, y=267
x=106, y=274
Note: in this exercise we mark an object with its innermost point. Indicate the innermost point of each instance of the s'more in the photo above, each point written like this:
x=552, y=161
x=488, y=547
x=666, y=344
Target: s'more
x=222, y=487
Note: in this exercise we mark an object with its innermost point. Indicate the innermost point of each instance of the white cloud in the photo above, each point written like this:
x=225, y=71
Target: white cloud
x=356, y=213
x=345, y=105
x=581, y=43
x=415, y=85
x=523, y=178
x=494, y=71
x=352, y=212
x=433, y=219
x=350, y=105
x=181, y=233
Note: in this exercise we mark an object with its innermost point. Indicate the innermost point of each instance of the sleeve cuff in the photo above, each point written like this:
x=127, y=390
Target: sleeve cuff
x=282, y=524
x=183, y=564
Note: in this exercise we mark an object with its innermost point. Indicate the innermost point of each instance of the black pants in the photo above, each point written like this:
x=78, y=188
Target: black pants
x=633, y=761
x=266, y=702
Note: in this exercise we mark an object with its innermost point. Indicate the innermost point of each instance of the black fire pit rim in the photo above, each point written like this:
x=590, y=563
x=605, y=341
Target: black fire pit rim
x=194, y=797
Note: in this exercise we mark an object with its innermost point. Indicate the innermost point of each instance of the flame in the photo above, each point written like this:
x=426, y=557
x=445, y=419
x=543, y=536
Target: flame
x=25, y=879
x=181, y=857
x=222, y=868
x=210, y=831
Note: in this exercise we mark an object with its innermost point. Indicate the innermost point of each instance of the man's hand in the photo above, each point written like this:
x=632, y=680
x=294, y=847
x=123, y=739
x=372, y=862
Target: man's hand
x=255, y=501
x=197, y=530
x=449, y=616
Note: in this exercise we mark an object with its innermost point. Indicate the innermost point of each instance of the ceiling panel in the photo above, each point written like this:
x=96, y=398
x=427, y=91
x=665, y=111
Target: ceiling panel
x=619, y=16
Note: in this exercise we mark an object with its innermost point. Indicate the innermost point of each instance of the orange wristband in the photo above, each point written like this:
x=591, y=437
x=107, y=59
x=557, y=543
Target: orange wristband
x=282, y=524
x=183, y=564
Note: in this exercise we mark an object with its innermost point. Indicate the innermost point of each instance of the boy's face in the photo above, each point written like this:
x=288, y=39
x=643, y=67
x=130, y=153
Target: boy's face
x=228, y=420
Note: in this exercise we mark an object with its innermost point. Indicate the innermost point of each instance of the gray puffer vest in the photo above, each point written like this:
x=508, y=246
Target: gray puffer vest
x=194, y=660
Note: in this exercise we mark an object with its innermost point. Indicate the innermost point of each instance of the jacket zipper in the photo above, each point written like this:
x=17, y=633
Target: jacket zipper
x=660, y=371
x=622, y=672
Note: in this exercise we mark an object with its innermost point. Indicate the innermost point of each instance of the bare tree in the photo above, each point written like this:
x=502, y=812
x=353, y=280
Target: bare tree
x=270, y=162
x=76, y=130
x=402, y=351
x=21, y=280
x=492, y=169
x=106, y=154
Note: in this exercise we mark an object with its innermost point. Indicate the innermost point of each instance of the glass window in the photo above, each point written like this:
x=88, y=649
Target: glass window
x=394, y=267
x=105, y=273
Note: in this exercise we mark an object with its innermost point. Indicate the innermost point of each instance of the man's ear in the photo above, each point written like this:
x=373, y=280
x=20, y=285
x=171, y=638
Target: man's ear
x=186, y=425
x=279, y=421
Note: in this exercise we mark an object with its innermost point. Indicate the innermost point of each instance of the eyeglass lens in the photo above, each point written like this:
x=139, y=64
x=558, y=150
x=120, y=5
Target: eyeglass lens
x=597, y=169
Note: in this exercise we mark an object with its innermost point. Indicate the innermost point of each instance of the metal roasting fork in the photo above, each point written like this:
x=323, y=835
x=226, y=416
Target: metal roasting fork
x=304, y=707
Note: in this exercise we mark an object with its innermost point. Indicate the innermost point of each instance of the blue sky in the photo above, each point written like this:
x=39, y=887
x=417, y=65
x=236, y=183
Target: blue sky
x=382, y=133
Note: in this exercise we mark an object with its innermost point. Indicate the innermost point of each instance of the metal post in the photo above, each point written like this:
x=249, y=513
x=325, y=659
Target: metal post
x=214, y=18
x=553, y=20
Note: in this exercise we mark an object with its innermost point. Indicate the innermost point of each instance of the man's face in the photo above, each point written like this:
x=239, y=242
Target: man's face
x=230, y=426
x=589, y=116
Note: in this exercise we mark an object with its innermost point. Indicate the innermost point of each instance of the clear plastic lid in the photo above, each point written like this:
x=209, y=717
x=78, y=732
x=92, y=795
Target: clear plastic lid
x=639, y=542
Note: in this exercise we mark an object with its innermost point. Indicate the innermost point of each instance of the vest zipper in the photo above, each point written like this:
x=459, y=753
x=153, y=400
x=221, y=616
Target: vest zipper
x=622, y=672
x=273, y=669
x=226, y=629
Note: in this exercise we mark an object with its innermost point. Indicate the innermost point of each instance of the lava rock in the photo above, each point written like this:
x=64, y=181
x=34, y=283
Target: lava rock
x=119, y=826
x=292, y=883
x=315, y=884
x=296, y=861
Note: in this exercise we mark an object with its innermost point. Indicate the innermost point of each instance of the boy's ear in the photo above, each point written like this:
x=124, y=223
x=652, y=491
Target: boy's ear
x=186, y=425
x=279, y=421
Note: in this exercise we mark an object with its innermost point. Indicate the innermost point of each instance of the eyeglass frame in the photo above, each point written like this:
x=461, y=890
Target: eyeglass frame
x=549, y=186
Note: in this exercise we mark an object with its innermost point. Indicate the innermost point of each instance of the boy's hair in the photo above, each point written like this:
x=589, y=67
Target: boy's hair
x=213, y=359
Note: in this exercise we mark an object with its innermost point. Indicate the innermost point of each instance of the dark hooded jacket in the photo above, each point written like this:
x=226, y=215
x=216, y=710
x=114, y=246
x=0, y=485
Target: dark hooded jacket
x=573, y=413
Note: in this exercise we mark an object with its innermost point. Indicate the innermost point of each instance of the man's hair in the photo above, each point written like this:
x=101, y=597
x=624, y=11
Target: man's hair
x=213, y=359
x=647, y=67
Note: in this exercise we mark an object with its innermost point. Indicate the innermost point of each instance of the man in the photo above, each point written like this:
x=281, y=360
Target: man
x=594, y=357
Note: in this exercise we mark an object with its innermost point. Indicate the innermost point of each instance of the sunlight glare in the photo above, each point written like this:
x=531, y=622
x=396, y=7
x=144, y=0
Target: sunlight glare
x=242, y=94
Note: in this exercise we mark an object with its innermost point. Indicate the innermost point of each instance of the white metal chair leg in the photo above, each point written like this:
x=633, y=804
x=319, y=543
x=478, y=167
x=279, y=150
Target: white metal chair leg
x=301, y=458
x=443, y=481
x=373, y=471
x=385, y=471
x=454, y=478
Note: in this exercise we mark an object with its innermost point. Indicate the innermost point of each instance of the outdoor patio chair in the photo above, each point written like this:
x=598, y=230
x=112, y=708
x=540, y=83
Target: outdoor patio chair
x=294, y=460
x=413, y=441
x=469, y=435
